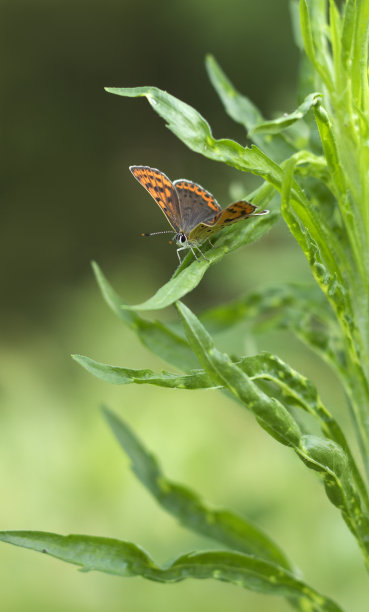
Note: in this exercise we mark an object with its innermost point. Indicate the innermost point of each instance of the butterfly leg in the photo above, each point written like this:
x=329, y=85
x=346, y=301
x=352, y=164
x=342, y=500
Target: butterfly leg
x=199, y=250
x=181, y=249
x=188, y=246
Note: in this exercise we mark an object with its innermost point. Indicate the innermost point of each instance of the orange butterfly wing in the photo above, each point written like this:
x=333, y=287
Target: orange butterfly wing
x=162, y=190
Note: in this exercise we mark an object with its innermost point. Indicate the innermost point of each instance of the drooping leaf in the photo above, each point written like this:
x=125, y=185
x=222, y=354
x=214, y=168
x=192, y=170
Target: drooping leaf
x=127, y=559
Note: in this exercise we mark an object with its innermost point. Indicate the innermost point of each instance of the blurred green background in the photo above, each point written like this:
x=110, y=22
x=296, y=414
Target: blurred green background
x=67, y=198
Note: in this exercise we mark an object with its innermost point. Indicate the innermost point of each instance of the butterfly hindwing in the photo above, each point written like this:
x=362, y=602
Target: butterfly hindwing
x=227, y=216
x=162, y=190
x=196, y=204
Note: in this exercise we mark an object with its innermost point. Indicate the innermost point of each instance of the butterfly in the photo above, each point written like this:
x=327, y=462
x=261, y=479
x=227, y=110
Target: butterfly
x=193, y=212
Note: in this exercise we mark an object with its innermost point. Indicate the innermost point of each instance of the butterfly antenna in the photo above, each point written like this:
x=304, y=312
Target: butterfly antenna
x=156, y=233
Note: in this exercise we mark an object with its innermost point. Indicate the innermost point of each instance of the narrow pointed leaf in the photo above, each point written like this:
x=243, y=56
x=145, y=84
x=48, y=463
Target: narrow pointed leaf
x=295, y=22
x=241, y=109
x=220, y=525
x=314, y=41
x=124, y=376
x=348, y=27
x=156, y=336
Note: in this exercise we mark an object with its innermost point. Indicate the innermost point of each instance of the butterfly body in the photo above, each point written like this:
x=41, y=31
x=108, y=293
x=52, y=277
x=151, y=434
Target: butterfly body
x=193, y=212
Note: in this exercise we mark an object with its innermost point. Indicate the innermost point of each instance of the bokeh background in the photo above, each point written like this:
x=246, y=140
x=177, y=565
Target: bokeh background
x=68, y=198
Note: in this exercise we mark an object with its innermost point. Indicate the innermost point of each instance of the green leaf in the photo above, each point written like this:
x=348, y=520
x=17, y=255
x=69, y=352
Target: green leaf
x=220, y=525
x=126, y=559
x=303, y=394
x=359, y=68
x=238, y=107
x=313, y=28
x=352, y=224
x=295, y=22
x=328, y=458
x=264, y=367
x=281, y=123
x=180, y=284
x=303, y=309
x=307, y=227
x=241, y=109
x=89, y=552
x=276, y=420
x=156, y=336
x=271, y=415
x=336, y=40
x=330, y=149
x=348, y=27
x=190, y=127
x=124, y=376
x=186, y=279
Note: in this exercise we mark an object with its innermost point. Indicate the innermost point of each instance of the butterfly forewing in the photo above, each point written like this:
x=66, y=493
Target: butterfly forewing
x=196, y=205
x=233, y=213
x=162, y=190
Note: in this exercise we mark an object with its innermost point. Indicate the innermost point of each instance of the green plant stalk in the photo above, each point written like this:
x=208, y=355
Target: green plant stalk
x=343, y=128
x=356, y=384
